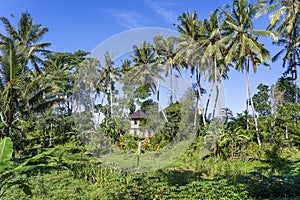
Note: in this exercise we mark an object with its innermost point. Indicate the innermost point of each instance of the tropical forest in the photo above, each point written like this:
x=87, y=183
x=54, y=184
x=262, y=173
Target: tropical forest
x=153, y=123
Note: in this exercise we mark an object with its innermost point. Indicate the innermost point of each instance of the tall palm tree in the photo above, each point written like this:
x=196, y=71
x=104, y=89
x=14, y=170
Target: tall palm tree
x=146, y=69
x=291, y=57
x=11, y=79
x=17, y=48
x=188, y=41
x=90, y=71
x=244, y=47
x=28, y=35
x=214, y=52
x=284, y=14
x=189, y=50
x=165, y=48
x=109, y=75
x=285, y=19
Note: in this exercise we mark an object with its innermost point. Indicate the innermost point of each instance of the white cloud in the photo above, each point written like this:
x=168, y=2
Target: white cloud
x=163, y=9
x=127, y=19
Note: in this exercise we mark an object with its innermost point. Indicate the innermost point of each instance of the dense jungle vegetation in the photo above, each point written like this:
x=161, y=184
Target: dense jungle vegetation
x=254, y=155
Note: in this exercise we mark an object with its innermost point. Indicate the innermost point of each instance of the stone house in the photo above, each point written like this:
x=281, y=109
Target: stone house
x=135, y=120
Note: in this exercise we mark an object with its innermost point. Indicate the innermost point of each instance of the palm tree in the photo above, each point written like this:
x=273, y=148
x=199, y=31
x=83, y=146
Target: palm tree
x=17, y=49
x=284, y=14
x=11, y=79
x=188, y=41
x=146, y=69
x=90, y=71
x=165, y=49
x=285, y=19
x=243, y=47
x=291, y=57
x=189, y=50
x=28, y=34
x=109, y=74
x=214, y=52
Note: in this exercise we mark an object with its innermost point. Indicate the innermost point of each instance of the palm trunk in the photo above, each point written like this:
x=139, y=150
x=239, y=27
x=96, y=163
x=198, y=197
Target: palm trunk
x=191, y=76
x=158, y=105
x=8, y=123
x=92, y=104
x=294, y=68
x=198, y=77
x=216, y=100
x=216, y=82
x=171, y=84
x=296, y=97
x=9, y=111
x=253, y=110
x=9, y=114
x=273, y=121
x=247, y=104
x=296, y=89
x=111, y=99
x=208, y=101
x=296, y=92
x=286, y=131
x=196, y=112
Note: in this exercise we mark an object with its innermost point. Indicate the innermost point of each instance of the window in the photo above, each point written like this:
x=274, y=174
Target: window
x=135, y=122
x=135, y=132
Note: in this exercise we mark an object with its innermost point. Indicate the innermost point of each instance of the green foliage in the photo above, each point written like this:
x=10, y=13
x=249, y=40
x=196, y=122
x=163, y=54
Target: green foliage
x=79, y=176
x=9, y=175
x=147, y=105
x=261, y=100
x=173, y=112
x=6, y=150
x=285, y=85
x=234, y=144
x=110, y=128
x=36, y=108
x=128, y=142
x=142, y=92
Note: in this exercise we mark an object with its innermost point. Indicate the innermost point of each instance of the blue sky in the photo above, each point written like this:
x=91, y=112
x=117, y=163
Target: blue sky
x=75, y=24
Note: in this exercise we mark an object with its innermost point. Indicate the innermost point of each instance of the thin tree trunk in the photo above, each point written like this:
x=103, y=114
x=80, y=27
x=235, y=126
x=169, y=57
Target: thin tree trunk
x=111, y=99
x=296, y=89
x=191, y=76
x=296, y=92
x=158, y=105
x=253, y=110
x=8, y=123
x=171, y=84
x=200, y=97
x=216, y=100
x=92, y=104
x=208, y=101
x=294, y=69
x=50, y=139
x=215, y=82
x=247, y=105
x=286, y=131
x=196, y=112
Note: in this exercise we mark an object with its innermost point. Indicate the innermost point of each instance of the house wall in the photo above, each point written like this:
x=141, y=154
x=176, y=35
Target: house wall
x=135, y=129
x=135, y=124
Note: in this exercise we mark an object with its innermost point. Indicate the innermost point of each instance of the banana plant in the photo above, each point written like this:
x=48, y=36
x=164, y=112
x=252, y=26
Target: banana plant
x=6, y=150
x=8, y=171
